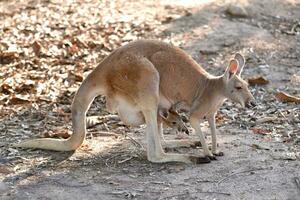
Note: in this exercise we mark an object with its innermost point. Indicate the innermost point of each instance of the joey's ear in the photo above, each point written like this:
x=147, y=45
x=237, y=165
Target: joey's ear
x=231, y=69
x=163, y=113
x=241, y=60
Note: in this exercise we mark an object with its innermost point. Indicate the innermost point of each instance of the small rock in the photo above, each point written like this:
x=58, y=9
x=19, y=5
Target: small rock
x=285, y=156
x=176, y=168
x=236, y=11
x=256, y=146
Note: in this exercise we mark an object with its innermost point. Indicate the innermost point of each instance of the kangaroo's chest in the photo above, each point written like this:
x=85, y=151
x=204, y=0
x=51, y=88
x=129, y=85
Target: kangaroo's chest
x=206, y=108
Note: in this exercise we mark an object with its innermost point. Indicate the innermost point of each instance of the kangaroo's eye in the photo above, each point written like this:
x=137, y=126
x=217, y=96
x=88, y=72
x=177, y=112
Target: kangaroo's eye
x=174, y=123
x=238, y=88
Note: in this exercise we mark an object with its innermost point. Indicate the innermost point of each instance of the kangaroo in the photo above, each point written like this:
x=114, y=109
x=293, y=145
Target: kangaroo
x=144, y=75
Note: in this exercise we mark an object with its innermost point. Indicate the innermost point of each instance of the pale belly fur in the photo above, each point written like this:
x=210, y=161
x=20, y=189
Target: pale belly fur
x=129, y=113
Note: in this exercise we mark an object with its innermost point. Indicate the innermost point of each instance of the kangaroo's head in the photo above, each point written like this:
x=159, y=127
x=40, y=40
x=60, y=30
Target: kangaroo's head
x=236, y=89
x=172, y=119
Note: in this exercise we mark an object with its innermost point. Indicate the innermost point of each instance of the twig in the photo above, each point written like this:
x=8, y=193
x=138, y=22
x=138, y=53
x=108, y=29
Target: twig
x=204, y=181
x=235, y=173
x=135, y=142
x=203, y=192
x=175, y=195
x=105, y=134
x=214, y=192
x=106, y=161
x=70, y=185
x=297, y=182
x=280, y=112
x=265, y=119
x=125, y=160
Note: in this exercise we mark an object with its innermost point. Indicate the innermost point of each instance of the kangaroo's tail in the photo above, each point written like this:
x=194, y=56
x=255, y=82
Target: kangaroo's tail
x=85, y=95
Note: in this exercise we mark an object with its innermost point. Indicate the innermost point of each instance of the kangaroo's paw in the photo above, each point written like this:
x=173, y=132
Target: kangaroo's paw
x=212, y=157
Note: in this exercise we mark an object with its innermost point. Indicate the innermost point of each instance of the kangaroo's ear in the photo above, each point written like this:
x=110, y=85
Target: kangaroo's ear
x=241, y=60
x=163, y=113
x=231, y=69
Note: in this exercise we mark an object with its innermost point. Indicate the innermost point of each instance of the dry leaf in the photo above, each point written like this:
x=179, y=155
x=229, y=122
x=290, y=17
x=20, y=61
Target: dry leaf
x=73, y=49
x=85, y=147
x=36, y=46
x=220, y=119
x=5, y=170
x=80, y=43
x=6, y=88
x=258, y=81
x=3, y=99
x=26, y=86
x=64, y=62
x=8, y=57
x=260, y=131
x=75, y=77
x=19, y=99
x=58, y=134
x=284, y=97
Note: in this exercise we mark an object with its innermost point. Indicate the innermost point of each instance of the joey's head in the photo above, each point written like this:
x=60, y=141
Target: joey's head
x=174, y=120
x=235, y=88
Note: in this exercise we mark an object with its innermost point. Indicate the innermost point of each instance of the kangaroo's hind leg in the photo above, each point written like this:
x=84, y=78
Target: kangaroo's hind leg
x=147, y=98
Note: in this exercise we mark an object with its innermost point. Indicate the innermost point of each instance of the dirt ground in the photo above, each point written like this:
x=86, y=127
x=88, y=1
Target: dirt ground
x=261, y=145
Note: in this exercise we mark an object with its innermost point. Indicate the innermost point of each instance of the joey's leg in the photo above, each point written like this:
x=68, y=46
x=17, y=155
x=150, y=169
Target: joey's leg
x=196, y=125
x=212, y=123
x=177, y=142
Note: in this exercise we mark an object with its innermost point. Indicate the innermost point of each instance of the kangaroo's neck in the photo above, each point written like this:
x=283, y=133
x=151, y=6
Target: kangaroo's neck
x=209, y=95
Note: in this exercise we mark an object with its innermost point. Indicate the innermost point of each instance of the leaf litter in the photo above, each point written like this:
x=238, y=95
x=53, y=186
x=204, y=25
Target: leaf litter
x=44, y=57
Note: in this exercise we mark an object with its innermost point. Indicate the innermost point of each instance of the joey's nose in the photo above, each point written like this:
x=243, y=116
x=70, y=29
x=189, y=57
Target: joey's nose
x=250, y=104
x=187, y=132
x=184, y=129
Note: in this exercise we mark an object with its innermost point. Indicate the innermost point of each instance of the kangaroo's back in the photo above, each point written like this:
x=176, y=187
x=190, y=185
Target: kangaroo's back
x=179, y=74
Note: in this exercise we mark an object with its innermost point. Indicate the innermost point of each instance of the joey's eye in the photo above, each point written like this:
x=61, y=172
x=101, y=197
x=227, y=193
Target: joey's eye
x=238, y=88
x=174, y=123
